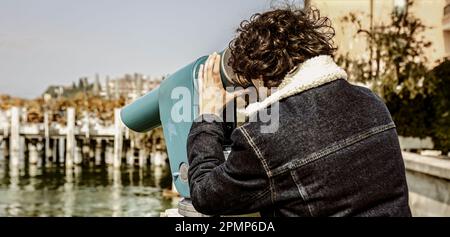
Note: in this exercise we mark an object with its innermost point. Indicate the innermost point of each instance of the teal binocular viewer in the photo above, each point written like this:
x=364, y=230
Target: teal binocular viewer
x=156, y=108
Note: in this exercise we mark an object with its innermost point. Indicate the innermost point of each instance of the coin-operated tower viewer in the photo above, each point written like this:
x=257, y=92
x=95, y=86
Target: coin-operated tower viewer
x=155, y=109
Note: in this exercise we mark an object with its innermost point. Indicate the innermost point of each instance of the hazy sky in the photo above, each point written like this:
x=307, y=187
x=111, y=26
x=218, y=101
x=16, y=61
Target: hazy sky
x=57, y=41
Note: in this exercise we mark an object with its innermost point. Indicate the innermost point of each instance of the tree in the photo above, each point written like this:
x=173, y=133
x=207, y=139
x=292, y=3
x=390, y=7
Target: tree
x=396, y=69
x=441, y=107
x=397, y=64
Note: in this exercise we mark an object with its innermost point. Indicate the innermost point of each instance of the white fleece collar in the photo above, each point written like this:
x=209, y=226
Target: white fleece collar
x=310, y=74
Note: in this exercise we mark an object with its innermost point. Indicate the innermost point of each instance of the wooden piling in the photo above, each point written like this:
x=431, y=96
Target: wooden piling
x=158, y=158
x=47, y=139
x=33, y=155
x=78, y=156
x=98, y=152
x=143, y=154
x=22, y=151
x=40, y=146
x=33, y=171
x=157, y=175
x=130, y=154
x=118, y=137
x=109, y=153
x=14, y=139
x=54, y=150
x=70, y=137
x=61, y=149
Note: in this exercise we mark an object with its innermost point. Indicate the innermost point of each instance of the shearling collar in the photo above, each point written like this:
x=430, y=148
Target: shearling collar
x=310, y=74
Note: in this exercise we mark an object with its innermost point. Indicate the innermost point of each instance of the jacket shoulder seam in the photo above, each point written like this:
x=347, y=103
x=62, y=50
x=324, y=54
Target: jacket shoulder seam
x=336, y=146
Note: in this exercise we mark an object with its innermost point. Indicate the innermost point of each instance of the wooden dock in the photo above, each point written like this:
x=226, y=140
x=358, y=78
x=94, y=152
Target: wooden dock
x=79, y=141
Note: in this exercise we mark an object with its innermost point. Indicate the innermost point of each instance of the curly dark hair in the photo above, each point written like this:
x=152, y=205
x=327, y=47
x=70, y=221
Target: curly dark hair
x=271, y=44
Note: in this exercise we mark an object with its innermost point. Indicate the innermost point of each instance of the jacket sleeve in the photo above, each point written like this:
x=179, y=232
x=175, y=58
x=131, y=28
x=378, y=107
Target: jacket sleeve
x=238, y=185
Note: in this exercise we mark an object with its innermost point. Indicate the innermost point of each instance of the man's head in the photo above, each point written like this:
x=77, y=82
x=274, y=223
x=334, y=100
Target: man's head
x=271, y=44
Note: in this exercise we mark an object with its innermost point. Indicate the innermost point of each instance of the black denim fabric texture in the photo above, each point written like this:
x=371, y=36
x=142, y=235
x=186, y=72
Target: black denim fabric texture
x=336, y=153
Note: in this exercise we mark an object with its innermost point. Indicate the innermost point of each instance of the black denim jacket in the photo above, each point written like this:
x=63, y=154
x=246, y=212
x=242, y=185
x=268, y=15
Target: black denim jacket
x=336, y=153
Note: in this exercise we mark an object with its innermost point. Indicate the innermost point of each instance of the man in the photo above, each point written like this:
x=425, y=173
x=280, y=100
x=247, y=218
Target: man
x=336, y=150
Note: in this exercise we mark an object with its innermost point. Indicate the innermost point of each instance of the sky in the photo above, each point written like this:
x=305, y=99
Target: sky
x=55, y=42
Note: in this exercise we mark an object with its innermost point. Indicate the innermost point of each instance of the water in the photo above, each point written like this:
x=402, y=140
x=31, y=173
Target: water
x=83, y=191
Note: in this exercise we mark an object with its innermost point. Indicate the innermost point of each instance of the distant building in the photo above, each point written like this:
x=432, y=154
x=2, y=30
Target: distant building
x=130, y=86
x=54, y=91
x=433, y=13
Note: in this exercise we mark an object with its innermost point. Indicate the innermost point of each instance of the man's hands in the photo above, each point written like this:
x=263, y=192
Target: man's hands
x=212, y=96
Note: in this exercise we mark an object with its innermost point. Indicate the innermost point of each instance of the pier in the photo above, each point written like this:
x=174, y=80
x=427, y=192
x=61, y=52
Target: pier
x=80, y=141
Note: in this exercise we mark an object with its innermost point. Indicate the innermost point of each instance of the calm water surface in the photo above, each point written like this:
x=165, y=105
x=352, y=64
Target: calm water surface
x=83, y=191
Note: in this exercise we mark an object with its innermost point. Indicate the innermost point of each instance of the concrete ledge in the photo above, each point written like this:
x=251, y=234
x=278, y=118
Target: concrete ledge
x=438, y=167
x=423, y=206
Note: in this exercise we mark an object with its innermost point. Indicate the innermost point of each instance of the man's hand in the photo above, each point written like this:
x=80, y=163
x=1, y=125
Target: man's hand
x=212, y=95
